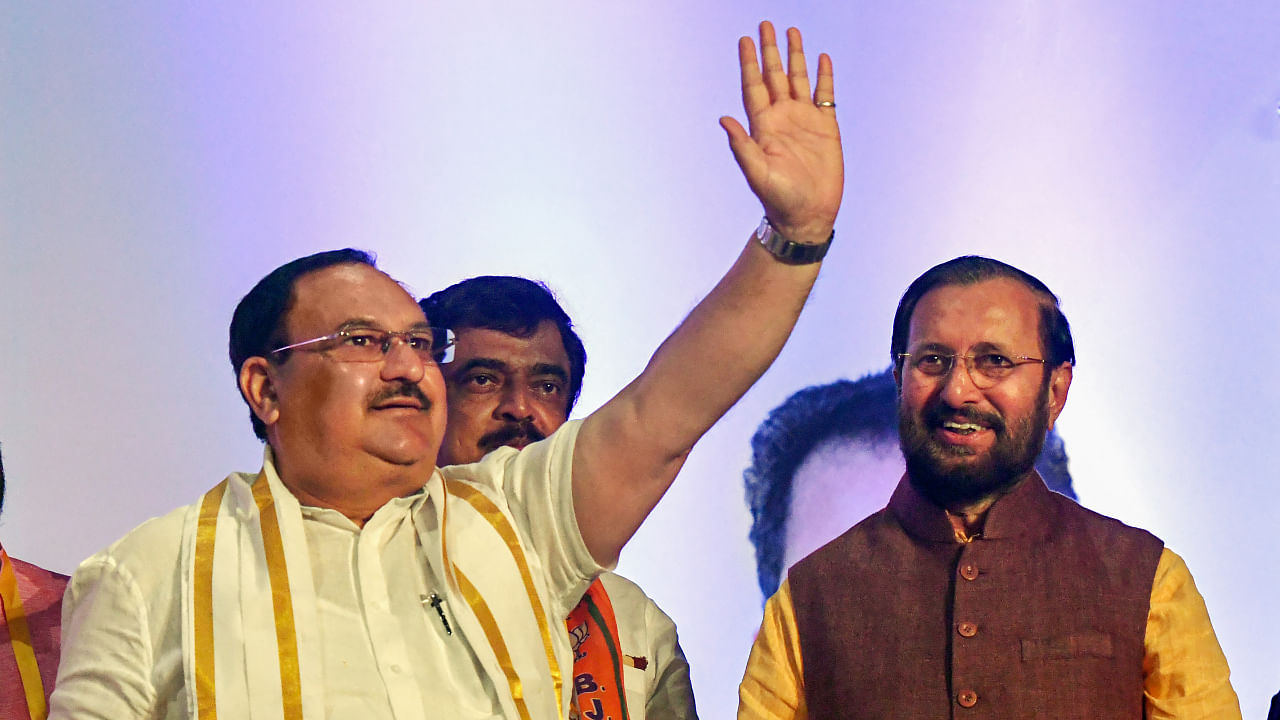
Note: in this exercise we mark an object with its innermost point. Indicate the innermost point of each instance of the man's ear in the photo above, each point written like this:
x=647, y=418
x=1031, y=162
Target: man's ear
x=1059, y=384
x=258, y=388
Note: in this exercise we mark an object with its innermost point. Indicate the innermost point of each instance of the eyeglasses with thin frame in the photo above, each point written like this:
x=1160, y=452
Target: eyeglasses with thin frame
x=986, y=370
x=434, y=345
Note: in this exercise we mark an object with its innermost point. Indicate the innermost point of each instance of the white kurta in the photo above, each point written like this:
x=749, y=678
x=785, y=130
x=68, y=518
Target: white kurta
x=662, y=690
x=496, y=541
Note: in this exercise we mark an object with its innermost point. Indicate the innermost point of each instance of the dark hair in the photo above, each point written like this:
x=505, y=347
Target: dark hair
x=1055, y=332
x=1052, y=464
x=512, y=305
x=257, y=326
x=1, y=484
x=865, y=411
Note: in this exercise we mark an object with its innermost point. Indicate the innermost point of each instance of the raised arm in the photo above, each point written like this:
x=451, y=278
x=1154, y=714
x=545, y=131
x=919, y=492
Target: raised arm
x=630, y=450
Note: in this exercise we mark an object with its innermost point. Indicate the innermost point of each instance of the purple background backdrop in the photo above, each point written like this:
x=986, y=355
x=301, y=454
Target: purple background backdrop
x=158, y=158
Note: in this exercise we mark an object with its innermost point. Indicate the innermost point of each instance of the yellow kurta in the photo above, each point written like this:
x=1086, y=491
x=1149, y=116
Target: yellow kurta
x=1186, y=675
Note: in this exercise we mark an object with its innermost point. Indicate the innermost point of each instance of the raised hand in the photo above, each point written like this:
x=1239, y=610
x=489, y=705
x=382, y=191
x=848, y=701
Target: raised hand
x=628, y=451
x=792, y=157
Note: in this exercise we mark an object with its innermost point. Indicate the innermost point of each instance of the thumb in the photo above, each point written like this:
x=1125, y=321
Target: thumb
x=746, y=152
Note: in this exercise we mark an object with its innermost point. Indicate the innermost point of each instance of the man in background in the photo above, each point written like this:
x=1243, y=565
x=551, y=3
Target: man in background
x=30, y=631
x=828, y=457
x=515, y=375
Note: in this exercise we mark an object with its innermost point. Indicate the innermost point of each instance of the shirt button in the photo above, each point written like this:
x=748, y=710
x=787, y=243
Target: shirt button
x=967, y=698
x=967, y=629
x=395, y=669
x=969, y=572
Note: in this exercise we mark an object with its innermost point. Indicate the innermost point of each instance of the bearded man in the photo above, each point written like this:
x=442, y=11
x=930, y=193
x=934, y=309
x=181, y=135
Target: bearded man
x=828, y=457
x=978, y=592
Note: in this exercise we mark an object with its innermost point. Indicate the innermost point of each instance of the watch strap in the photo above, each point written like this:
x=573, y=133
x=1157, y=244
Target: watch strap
x=788, y=251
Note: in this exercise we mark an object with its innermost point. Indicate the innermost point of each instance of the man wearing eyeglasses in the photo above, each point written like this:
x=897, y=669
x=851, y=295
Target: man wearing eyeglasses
x=977, y=591
x=351, y=578
x=516, y=374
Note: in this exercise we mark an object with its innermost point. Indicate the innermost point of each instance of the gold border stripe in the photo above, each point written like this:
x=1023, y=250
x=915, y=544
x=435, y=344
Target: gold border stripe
x=20, y=640
x=494, y=635
x=490, y=512
x=202, y=601
x=277, y=571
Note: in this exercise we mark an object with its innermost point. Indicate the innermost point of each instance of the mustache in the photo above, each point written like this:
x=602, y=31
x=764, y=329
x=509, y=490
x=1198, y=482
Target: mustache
x=509, y=433
x=937, y=413
x=401, y=389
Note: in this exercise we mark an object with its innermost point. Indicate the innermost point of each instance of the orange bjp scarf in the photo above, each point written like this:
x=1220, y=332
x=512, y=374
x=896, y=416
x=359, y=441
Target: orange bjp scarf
x=598, y=691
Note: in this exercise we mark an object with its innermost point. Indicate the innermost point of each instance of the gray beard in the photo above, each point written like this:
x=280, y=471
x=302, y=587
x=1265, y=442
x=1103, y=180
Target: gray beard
x=934, y=473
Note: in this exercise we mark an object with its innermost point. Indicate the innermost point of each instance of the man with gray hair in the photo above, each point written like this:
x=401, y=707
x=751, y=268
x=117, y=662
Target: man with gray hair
x=977, y=591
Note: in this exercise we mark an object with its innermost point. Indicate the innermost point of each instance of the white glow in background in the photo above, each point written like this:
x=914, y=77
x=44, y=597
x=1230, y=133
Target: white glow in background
x=157, y=159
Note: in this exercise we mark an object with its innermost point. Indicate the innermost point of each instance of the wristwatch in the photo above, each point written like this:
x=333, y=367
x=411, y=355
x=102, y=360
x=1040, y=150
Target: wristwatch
x=792, y=253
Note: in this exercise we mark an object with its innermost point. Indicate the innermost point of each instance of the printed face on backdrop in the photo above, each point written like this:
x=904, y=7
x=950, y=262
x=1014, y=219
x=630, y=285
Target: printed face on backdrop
x=840, y=483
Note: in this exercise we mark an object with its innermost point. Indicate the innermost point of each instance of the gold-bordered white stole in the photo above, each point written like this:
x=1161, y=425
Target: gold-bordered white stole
x=249, y=612
x=509, y=626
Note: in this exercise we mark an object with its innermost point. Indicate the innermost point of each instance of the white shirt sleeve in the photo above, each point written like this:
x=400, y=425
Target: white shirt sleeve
x=105, y=670
x=672, y=693
x=121, y=642
x=537, y=485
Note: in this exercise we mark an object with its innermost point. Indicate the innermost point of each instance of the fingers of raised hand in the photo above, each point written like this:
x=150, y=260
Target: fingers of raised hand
x=797, y=74
x=765, y=81
x=755, y=97
x=775, y=77
x=825, y=91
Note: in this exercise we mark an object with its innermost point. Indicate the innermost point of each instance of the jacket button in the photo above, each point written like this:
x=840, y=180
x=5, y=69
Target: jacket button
x=967, y=629
x=967, y=698
x=969, y=572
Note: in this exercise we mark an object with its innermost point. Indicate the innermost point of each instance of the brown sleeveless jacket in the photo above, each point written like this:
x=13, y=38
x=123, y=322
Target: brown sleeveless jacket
x=1043, y=616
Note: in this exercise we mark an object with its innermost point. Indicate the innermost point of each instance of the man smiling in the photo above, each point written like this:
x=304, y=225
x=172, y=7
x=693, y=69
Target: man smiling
x=977, y=591
x=962, y=452
x=828, y=457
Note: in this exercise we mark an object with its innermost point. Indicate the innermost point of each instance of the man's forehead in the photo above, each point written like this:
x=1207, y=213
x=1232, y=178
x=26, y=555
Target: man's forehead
x=541, y=348
x=995, y=310
x=353, y=295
